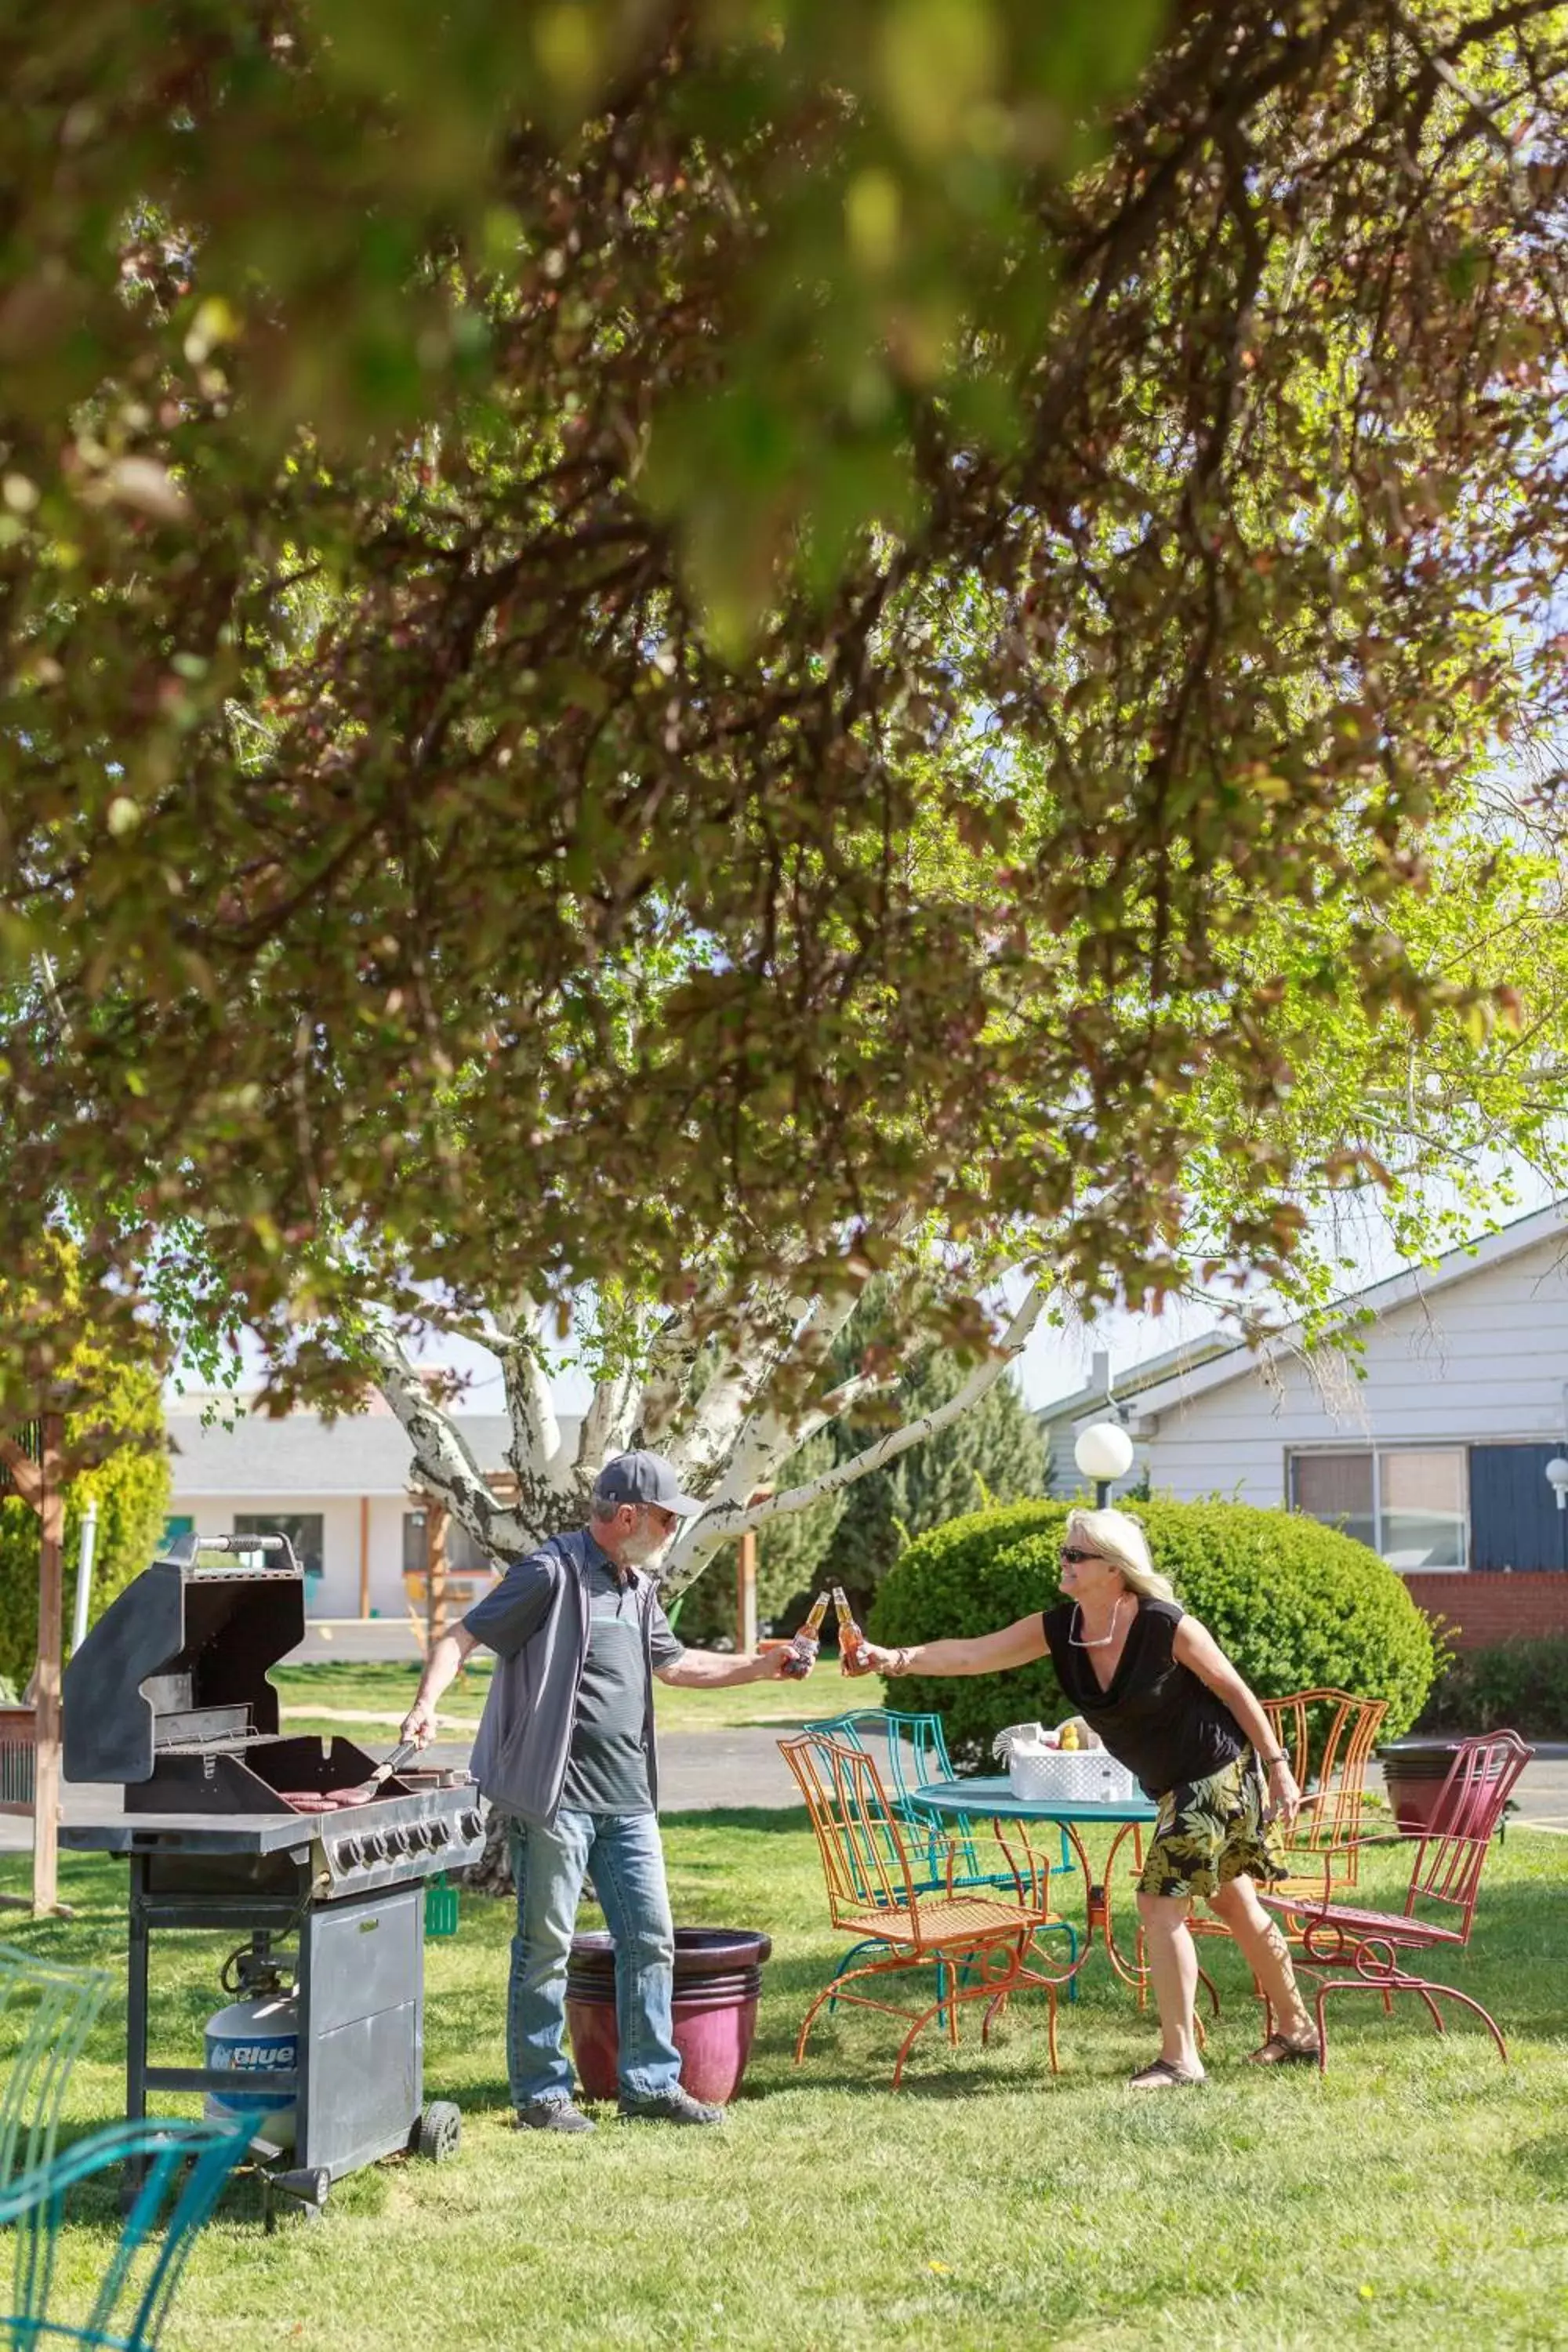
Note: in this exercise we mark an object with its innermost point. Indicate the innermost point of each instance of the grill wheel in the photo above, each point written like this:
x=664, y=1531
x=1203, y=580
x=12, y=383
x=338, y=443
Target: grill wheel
x=439, y=2131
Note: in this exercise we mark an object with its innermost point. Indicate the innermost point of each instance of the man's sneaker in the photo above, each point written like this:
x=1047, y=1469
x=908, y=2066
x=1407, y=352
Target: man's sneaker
x=553, y=2114
x=677, y=2106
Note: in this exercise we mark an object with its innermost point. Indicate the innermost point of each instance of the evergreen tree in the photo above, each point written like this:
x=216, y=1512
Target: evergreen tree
x=995, y=1453
x=992, y=1453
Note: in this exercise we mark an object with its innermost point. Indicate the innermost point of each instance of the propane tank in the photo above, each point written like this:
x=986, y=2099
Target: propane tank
x=259, y=2036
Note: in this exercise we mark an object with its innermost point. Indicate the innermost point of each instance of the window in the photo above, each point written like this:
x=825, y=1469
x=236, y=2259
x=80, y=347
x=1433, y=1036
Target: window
x=1337, y=1489
x=303, y=1530
x=464, y=1555
x=1409, y=1503
x=1422, y=1501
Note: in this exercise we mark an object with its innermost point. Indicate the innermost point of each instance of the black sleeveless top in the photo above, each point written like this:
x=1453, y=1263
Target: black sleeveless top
x=1157, y=1717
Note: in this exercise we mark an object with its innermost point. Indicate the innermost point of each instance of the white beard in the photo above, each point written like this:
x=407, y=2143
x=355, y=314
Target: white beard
x=648, y=1553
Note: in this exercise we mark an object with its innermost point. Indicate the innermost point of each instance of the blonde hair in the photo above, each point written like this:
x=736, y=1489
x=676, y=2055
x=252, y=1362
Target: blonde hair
x=1117, y=1536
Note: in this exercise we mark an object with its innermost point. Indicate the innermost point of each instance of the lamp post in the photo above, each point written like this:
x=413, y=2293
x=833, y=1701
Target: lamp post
x=84, y=1573
x=1103, y=1452
x=1557, y=1479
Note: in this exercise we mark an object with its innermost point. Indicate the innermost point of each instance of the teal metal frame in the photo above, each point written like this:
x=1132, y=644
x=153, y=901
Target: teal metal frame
x=916, y=1748
x=47, y=2011
x=183, y=2169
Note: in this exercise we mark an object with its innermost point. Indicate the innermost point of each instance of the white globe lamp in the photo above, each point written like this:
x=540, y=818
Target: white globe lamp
x=1557, y=1478
x=1103, y=1452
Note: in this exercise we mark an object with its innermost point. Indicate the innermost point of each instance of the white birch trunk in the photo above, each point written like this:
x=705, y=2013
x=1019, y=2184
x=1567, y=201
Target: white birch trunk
x=726, y=1450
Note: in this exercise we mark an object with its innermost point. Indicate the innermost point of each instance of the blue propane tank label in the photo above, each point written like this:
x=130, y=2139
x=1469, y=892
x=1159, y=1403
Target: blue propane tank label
x=253, y=2038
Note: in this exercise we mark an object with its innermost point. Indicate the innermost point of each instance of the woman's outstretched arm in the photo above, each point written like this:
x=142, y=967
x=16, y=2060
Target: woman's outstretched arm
x=985, y=1654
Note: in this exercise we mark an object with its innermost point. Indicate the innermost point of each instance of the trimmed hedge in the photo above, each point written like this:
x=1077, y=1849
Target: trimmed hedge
x=1293, y=1604
x=1520, y=1685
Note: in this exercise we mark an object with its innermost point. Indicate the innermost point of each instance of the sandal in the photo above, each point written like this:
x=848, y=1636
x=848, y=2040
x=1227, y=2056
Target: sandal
x=1280, y=2051
x=1161, y=2075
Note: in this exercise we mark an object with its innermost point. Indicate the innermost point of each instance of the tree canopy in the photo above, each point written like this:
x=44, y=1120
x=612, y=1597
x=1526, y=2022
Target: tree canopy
x=640, y=638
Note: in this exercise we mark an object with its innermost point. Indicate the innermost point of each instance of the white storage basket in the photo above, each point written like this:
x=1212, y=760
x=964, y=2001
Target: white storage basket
x=1081, y=1776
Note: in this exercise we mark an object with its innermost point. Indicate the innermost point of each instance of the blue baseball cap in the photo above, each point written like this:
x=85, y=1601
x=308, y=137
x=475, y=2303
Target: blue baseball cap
x=645, y=1478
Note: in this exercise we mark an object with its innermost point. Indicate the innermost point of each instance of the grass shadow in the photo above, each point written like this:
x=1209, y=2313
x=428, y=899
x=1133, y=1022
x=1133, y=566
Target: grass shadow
x=790, y=1820
x=1546, y=2163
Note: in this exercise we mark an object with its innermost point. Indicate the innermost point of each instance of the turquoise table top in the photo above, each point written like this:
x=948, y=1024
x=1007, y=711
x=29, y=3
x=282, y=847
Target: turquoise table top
x=995, y=1797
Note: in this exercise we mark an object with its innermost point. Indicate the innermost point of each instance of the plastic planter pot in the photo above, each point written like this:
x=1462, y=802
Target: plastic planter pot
x=718, y=1977
x=1414, y=1774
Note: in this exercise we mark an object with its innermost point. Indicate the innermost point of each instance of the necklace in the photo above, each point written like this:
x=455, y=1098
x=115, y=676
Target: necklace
x=1105, y=1641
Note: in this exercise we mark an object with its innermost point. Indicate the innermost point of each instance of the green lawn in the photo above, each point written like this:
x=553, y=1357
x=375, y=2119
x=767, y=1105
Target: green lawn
x=1416, y=2198
x=387, y=1691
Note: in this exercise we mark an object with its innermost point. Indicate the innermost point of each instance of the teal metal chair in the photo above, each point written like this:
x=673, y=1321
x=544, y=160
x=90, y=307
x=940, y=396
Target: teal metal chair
x=183, y=2169
x=916, y=1753
x=47, y=2011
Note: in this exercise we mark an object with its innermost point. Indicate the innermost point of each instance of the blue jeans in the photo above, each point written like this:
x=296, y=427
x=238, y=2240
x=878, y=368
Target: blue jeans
x=621, y=1854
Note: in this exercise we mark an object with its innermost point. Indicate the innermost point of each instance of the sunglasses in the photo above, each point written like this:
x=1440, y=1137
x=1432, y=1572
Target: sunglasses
x=1068, y=1552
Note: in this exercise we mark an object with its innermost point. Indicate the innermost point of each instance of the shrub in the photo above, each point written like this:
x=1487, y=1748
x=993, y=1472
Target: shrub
x=1520, y=1685
x=132, y=1488
x=1293, y=1604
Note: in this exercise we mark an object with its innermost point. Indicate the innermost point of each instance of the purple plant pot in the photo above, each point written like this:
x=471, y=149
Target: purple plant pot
x=1415, y=1774
x=718, y=1977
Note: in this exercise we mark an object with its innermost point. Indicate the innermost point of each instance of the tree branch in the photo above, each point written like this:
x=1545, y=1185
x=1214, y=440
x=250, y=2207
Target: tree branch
x=442, y=1460
x=731, y=1516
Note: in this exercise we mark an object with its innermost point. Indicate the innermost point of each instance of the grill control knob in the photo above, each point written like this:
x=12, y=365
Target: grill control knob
x=397, y=1841
x=375, y=1846
x=472, y=1823
x=346, y=1854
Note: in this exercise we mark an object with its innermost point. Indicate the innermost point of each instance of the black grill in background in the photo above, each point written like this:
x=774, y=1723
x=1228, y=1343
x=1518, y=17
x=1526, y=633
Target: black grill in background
x=168, y=1696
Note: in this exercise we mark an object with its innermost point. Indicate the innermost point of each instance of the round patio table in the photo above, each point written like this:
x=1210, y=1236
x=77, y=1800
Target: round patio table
x=994, y=1797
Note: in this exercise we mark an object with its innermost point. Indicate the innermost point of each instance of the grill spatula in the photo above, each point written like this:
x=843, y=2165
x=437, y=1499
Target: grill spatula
x=363, y=1791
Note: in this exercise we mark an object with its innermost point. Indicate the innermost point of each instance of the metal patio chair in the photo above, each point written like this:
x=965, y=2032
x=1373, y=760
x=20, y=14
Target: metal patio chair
x=916, y=1750
x=1329, y=1737
x=874, y=1893
x=47, y=2011
x=1444, y=1881
x=186, y=2166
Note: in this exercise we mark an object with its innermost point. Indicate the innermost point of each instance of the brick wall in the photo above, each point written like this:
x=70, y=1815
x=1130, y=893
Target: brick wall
x=1483, y=1608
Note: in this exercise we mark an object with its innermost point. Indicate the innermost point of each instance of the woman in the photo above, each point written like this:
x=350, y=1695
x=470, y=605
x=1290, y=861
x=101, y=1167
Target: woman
x=1169, y=1705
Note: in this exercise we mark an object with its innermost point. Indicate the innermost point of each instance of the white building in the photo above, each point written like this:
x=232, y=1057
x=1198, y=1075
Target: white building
x=340, y=1490
x=1431, y=1444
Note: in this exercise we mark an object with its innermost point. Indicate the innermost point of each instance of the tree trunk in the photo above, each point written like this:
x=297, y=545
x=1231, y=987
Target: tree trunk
x=491, y=1874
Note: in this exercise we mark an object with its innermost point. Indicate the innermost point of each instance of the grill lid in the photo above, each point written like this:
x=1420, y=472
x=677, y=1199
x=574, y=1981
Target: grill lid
x=179, y=1659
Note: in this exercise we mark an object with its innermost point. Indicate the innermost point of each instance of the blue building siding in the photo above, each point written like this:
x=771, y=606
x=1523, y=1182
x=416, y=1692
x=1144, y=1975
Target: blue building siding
x=1514, y=1518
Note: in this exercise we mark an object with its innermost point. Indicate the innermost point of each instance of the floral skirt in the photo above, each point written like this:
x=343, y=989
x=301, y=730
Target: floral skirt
x=1211, y=1831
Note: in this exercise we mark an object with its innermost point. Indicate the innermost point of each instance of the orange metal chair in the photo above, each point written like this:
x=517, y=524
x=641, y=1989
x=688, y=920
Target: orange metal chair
x=1329, y=1735
x=873, y=1892
x=1444, y=1878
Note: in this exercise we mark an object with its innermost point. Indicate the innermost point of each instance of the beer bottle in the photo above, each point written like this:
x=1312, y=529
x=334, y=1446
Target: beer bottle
x=803, y=1649
x=852, y=1658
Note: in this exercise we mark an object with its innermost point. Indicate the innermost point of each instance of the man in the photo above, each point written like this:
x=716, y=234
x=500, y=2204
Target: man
x=566, y=1747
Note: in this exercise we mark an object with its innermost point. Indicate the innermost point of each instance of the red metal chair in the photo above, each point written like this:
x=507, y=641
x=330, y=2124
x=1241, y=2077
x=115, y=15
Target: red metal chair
x=1444, y=1878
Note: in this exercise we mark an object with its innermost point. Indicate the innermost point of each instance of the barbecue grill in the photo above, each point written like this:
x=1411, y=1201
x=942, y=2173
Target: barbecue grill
x=229, y=1825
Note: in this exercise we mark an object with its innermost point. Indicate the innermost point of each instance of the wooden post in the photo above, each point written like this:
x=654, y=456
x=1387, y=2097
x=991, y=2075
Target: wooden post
x=47, y=1689
x=746, y=1591
x=434, y=1569
x=364, y=1555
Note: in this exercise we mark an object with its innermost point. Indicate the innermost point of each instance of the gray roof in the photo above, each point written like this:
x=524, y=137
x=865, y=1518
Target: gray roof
x=359, y=1454
x=1137, y=1377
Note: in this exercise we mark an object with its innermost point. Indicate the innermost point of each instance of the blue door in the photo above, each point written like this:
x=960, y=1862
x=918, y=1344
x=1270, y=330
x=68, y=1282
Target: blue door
x=1514, y=1518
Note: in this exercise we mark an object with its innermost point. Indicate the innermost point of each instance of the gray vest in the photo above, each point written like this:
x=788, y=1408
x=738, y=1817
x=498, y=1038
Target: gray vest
x=525, y=1734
